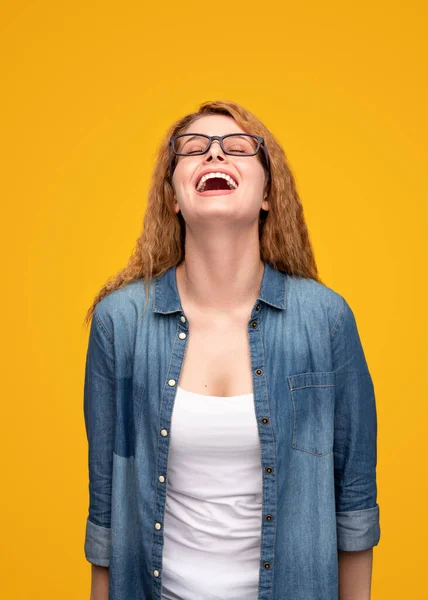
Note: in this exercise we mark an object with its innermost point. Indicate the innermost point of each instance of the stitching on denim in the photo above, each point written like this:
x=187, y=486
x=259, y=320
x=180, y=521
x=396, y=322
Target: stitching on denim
x=312, y=385
x=355, y=371
x=294, y=444
x=155, y=286
x=336, y=325
x=157, y=452
x=139, y=412
x=372, y=509
x=275, y=460
x=263, y=486
x=284, y=299
x=310, y=451
x=96, y=525
x=100, y=322
x=148, y=299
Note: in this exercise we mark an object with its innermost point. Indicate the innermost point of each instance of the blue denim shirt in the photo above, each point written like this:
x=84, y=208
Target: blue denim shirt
x=316, y=414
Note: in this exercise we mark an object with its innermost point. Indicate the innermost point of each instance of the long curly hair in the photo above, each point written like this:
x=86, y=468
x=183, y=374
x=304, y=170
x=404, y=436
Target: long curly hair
x=283, y=234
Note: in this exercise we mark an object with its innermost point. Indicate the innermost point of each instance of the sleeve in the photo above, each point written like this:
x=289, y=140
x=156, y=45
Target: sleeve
x=355, y=439
x=99, y=412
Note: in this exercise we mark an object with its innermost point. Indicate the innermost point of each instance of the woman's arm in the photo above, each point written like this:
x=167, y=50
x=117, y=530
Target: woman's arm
x=355, y=574
x=355, y=439
x=99, y=414
x=99, y=583
x=355, y=459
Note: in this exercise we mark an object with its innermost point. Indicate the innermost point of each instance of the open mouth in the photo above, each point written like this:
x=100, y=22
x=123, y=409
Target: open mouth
x=216, y=182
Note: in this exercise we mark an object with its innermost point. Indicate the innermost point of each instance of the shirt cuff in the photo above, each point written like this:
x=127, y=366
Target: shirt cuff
x=358, y=529
x=97, y=544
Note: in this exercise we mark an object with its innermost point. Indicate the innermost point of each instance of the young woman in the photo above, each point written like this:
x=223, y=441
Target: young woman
x=229, y=408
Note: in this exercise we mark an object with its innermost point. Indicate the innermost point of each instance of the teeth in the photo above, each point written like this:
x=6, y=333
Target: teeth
x=231, y=182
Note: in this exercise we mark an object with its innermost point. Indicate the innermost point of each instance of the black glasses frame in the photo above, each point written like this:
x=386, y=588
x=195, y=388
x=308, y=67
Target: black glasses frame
x=219, y=138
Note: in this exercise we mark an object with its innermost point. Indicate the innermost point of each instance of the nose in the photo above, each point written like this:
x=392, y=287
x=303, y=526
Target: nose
x=215, y=152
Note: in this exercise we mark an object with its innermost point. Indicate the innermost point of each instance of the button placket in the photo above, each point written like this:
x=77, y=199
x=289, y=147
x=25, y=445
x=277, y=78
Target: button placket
x=269, y=470
x=182, y=334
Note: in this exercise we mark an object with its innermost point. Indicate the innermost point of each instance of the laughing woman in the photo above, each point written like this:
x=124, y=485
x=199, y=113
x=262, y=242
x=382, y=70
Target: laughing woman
x=229, y=408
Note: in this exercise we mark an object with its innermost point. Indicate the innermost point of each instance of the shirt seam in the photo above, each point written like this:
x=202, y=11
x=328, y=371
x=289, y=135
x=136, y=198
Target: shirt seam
x=339, y=319
x=100, y=322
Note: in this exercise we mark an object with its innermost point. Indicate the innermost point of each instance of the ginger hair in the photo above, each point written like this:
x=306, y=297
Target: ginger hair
x=283, y=233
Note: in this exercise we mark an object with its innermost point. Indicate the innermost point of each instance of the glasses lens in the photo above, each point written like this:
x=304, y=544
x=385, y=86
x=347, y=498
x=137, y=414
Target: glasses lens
x=240, y=144
x=235, y=143
x=190, y=144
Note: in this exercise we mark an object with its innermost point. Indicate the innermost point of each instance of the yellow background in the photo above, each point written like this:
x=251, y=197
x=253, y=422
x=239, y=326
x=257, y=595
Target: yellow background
x=89, y=89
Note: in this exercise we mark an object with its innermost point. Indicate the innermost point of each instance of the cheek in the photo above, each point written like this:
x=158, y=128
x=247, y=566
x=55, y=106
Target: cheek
x=182, y=175
x=178, y=178
x=253, y=175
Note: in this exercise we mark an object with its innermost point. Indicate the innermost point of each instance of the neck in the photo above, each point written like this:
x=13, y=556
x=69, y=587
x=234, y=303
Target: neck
x=222, y=282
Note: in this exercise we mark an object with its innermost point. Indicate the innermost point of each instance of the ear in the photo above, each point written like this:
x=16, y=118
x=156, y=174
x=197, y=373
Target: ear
x=176, y=207
x=265, y=203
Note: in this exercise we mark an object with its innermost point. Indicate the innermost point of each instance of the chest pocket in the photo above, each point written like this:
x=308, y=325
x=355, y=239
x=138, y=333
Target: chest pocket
x=313, y=398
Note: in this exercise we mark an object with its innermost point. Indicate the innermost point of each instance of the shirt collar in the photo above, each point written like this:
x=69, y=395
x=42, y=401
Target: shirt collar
x=167, y=299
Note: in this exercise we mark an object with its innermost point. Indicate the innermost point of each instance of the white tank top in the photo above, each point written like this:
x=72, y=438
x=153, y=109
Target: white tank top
x=213, y=510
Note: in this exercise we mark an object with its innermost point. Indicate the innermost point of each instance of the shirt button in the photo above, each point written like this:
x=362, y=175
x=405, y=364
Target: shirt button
x=161, y=478
x=269, y=469
x=156, y=573
x=254, y=324
x=267, y=565
x=265, y=420
x=171, y=382
x=259, y=372
x=268, y=517
x=182, y=335
x=257, y=306
x=158, y=526
x=183, y=319
x=164, y=432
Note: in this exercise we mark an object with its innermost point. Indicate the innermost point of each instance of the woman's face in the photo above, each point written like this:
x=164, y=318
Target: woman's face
x=244, y=202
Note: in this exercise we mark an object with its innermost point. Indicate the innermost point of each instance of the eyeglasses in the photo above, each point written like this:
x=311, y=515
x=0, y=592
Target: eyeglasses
x=234, y=144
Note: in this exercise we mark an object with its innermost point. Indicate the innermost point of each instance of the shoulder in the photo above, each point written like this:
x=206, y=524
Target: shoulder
x=316, y=299
x=313, y=293
x=121, y=308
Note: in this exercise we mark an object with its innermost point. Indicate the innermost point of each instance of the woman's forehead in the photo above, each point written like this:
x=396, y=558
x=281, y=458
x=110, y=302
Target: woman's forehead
x=214, y=125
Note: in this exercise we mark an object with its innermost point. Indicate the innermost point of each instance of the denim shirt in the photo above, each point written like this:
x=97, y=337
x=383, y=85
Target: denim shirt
x=315, y=408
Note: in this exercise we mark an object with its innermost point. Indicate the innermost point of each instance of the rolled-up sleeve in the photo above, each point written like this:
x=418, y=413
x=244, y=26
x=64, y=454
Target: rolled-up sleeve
x=99, y=412
x=355, y=439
